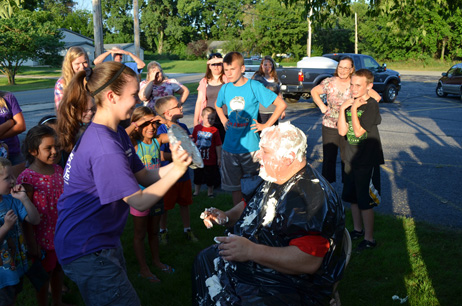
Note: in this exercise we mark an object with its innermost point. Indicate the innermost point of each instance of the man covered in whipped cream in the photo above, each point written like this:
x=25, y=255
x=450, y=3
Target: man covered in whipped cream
x=283, y=247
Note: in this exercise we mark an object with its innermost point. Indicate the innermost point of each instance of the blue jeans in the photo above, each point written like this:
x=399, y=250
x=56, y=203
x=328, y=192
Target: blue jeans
x=102, y=278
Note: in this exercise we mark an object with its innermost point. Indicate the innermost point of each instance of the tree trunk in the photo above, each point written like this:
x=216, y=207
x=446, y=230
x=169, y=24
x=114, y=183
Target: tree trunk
x=98, y=27
x=10, y=76
x=137, y=28
x=160, y=42
x=443, y=48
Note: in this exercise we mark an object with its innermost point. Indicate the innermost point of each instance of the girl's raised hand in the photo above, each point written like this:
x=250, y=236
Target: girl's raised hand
x=181, y=159
x=141, y=121
x=160, y=119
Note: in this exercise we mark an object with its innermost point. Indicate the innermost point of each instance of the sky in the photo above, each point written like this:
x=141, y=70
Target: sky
x=83, y=4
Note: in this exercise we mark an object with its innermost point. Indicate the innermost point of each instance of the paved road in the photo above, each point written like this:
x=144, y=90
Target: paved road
x=421, y=137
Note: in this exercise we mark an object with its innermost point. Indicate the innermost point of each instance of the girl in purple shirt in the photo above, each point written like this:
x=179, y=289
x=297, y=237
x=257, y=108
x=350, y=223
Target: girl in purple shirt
x=100, y=184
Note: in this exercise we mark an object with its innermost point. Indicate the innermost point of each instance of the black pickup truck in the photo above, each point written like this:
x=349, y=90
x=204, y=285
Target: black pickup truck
x=298, y=82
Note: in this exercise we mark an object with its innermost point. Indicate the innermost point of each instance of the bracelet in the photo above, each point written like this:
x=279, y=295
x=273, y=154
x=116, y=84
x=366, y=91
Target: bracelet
x=134, y=123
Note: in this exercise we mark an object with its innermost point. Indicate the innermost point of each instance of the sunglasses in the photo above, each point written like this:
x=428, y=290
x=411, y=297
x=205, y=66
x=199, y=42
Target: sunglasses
x=147, y=123
x=218, y=55
x=218, y=64
x=179, y=105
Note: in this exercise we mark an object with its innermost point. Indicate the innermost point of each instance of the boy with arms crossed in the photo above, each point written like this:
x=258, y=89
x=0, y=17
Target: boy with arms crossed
x=358, y=121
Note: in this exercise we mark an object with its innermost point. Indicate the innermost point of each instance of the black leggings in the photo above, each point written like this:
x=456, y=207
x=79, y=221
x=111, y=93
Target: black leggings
x=331, y=142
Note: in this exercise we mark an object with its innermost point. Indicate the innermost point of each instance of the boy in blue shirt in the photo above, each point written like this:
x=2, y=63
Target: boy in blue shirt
x=171, y=109
x=242, y=98
x=14, y=209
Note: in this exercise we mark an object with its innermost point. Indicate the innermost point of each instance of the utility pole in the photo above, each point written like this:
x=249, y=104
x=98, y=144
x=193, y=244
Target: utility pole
x=356, y=33
x=308, y=45
x=98, y=27
x=137, y=27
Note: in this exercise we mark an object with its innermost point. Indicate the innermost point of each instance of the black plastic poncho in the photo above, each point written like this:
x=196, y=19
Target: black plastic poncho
x=274, y=216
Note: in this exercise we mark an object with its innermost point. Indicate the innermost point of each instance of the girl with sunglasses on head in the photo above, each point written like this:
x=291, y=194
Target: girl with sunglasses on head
x=208, y=89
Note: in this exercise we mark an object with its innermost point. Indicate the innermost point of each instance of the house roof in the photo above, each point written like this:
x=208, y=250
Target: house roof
x=67, y=45
x=75, y=33
x=123, y=46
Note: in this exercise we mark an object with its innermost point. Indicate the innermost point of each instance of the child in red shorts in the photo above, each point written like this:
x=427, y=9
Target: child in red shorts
x=171, y=109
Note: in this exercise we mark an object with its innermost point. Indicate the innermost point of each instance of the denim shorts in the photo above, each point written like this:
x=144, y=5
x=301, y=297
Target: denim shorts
x=102, y=278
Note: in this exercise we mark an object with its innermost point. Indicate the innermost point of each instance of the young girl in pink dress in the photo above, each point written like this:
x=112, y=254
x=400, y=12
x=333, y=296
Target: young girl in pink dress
x=43, y=181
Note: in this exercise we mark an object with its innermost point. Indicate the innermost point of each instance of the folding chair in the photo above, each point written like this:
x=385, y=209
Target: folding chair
x=347, y=247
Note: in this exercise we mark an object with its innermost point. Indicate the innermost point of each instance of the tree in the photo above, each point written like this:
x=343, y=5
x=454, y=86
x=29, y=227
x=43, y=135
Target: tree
x=166, y=30
x=118, y=20
x=7, y=7
x=80, y=21
x=27, y=35
x=272, y=27
x=155, y=18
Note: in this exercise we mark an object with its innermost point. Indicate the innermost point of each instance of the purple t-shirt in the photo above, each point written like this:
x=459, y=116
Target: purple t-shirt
x=98, y=175
x=8, y=113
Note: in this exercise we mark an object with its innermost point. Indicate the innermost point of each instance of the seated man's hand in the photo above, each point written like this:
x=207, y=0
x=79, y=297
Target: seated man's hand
x=235, y=248
x=212, y=216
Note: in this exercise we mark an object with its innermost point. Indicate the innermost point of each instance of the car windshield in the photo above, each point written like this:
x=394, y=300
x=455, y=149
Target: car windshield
x=370, y=63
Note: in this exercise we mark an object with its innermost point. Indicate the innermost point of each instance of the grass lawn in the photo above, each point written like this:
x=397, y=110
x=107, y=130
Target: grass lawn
x=23, y=84
x=412, y=259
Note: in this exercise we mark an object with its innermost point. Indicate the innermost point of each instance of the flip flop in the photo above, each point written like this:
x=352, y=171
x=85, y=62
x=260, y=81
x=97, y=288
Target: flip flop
x=152, y=278
x=168, y=269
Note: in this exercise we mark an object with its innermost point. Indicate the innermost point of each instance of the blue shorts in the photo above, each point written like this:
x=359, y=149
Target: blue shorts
x=102, y=278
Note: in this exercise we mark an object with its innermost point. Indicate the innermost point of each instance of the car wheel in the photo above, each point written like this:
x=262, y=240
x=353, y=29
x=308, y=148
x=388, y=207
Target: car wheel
x=439, y=91
x=292, y=98
x=390, y=93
